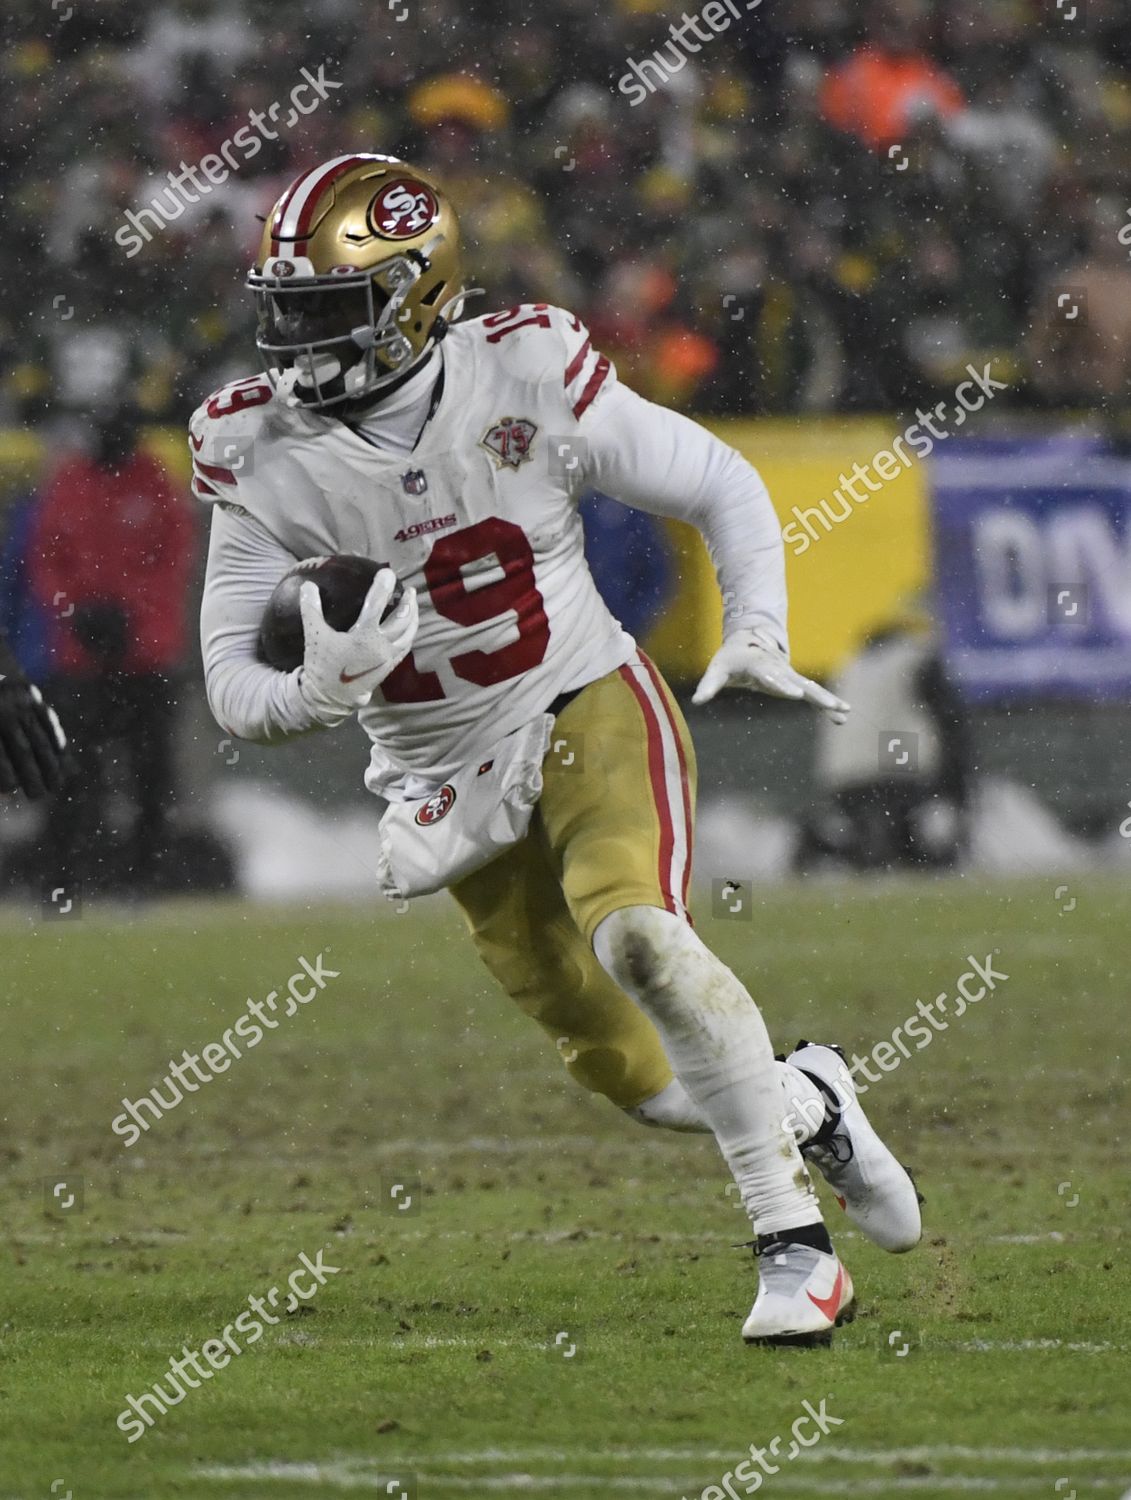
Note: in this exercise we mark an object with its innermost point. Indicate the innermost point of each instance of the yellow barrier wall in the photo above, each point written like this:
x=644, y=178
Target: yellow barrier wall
x=846, y=583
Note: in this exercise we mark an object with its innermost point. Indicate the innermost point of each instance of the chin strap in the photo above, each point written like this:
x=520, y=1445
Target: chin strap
x=455, y=304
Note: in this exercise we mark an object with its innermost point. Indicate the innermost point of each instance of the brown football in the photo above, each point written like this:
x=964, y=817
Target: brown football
x=343, y=581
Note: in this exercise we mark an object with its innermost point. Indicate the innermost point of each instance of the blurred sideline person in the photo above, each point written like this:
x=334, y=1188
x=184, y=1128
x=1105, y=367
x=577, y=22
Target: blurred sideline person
x=895, y=779
x=111, y=555
x=1082, y=354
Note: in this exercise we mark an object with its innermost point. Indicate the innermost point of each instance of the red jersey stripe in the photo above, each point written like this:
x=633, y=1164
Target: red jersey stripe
x=573, y=369
x=214, y=471
x=596, y=380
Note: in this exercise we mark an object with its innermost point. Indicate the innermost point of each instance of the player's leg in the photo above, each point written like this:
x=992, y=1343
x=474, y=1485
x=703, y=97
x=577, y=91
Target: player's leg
x=823, y=1111
x=525, y=934
x=618, y=820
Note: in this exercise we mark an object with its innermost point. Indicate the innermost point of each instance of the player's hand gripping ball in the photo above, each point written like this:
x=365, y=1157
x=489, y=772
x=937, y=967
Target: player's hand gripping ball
x=343, y=582
x=347, y=622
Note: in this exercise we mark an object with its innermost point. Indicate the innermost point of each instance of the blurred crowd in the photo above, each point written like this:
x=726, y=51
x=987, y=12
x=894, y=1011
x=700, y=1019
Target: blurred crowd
x=830, y=205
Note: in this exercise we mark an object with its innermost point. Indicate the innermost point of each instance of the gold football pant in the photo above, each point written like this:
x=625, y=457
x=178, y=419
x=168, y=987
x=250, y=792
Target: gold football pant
x=613, y=829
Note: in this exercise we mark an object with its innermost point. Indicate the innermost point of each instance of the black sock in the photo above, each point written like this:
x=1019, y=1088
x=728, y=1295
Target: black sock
x=814, y=1235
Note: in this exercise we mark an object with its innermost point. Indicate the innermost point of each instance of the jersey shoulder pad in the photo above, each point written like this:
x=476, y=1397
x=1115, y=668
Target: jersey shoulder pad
x=224, y=432
x=539, y=344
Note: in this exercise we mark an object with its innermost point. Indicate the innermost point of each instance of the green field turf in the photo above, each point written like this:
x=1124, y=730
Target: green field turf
x=538, y=1211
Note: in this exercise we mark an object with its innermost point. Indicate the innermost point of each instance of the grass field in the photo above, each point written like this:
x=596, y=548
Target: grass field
x=994, y=1359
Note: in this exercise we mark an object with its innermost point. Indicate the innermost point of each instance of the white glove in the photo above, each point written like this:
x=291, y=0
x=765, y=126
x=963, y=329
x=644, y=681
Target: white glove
x=341, y=669
x=750, y=659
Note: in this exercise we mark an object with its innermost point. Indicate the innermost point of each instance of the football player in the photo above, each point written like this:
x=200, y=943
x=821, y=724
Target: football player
x=33, y=747
x=456, y=450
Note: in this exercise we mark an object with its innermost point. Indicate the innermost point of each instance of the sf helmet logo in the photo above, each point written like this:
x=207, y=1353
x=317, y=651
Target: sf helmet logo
x=403, y=209
x=282, y=268
x=438, y=806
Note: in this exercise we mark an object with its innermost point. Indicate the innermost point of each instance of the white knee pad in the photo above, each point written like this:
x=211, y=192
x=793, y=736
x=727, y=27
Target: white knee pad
x=638, y=947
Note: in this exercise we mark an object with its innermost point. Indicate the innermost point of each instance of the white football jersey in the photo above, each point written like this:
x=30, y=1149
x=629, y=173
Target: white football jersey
x=480, y=517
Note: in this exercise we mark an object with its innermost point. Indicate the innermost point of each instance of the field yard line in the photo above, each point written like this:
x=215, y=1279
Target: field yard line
x=435, y=1341
x=1055, y=1235
x=1023, y=1346
x=825, y=1453
x=335, y=1474
x=960, y=1483
x=500, y=1145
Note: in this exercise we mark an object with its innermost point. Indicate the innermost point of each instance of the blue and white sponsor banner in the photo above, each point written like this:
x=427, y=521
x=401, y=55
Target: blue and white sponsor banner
x=1032, y=563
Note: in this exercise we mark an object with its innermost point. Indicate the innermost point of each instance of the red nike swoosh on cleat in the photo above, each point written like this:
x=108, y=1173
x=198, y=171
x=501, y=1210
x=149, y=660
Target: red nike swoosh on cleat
x=840, y=1200
x=830, y=1305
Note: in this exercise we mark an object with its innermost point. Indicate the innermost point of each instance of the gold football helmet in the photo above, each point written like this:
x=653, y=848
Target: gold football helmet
x=357, y=277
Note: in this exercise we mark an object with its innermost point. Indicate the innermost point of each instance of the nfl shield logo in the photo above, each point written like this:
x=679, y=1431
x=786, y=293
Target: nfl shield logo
x=414, y=482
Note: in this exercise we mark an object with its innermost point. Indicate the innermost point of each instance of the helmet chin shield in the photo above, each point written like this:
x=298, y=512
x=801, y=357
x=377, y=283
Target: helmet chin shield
x=333, y=338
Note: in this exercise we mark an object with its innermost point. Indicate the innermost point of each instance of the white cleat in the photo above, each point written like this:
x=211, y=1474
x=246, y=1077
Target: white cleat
x=803, y=1294
x=874, y=1189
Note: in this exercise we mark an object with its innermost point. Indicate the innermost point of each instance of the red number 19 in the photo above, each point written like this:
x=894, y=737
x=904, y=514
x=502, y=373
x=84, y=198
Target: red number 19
x=515, y=592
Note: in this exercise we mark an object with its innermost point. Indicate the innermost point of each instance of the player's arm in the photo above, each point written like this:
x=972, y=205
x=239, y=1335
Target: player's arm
x=661, y=462
x=341, y=669
x=248, y=698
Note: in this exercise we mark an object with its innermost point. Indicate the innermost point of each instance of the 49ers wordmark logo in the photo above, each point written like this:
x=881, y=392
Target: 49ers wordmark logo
x=509, y=441
x=438, y=806
x=403, y=209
